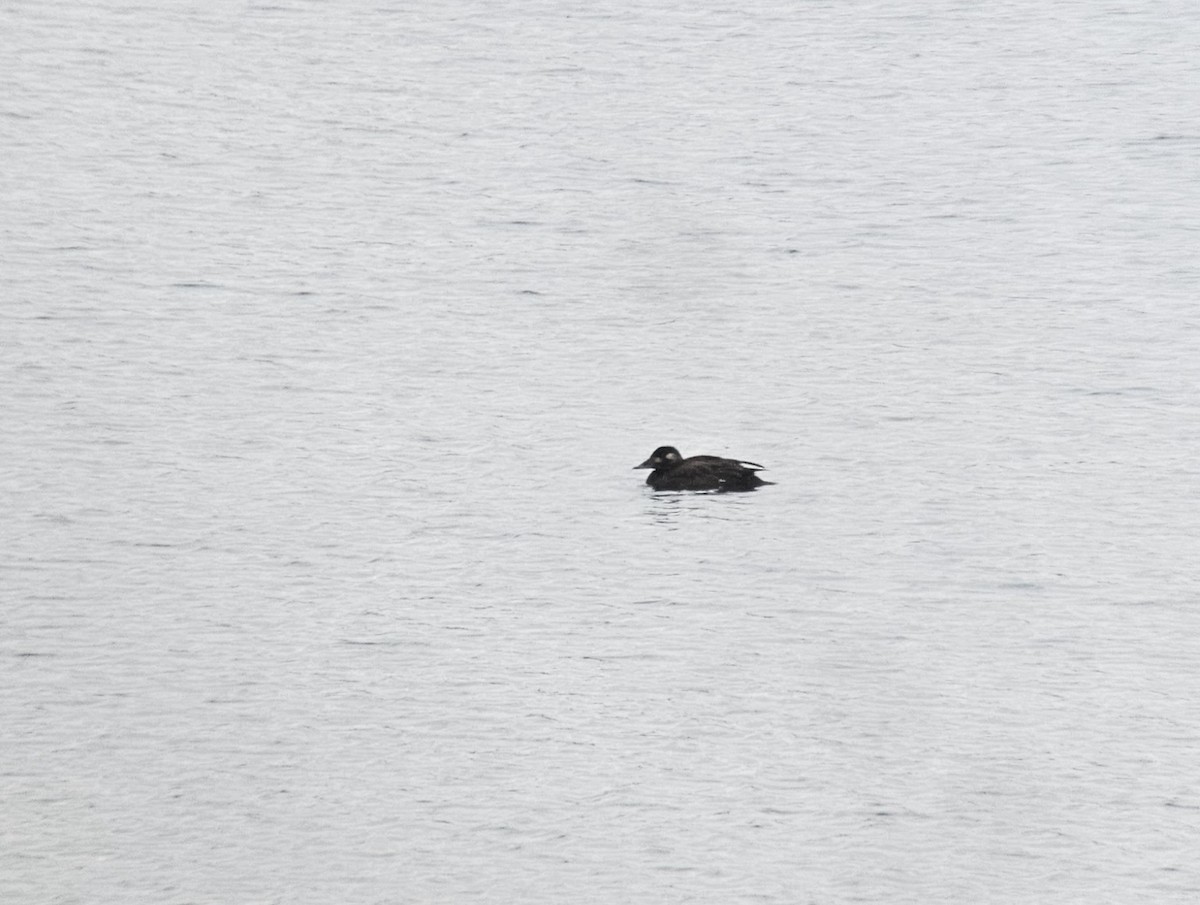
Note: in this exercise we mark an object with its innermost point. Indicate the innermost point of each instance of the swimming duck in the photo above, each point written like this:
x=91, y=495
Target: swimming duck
x=671, y=471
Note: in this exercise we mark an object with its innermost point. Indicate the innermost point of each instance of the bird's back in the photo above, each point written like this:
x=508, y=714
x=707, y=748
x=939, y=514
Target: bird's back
x=707, y=473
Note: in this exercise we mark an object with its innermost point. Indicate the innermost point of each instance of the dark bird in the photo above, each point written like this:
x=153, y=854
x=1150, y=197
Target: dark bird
x=671, y=471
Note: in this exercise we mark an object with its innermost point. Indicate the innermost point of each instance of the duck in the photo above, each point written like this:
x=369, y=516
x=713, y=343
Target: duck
x=671, y=471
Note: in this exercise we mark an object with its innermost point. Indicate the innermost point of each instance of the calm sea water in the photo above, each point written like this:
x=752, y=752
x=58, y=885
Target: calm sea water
x=331, y=334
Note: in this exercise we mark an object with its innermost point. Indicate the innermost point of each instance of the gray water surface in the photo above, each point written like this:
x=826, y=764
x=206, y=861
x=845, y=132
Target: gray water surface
x=332, y=332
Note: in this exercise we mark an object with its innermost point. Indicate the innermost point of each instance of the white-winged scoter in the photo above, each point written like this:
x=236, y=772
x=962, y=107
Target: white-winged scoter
x=671, y=471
